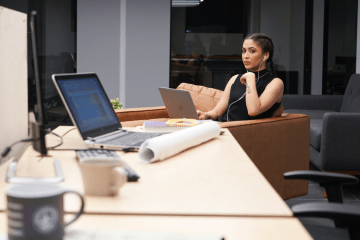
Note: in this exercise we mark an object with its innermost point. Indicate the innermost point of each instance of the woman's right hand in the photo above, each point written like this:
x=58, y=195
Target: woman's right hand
x=203, y=115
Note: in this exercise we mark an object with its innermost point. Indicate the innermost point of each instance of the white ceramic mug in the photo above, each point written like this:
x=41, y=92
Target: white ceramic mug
x=102, y=179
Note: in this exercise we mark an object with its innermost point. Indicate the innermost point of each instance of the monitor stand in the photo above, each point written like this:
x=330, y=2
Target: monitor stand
x=12, y=178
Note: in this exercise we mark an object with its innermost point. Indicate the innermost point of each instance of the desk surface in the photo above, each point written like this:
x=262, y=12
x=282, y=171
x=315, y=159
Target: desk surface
x=213, y=179
x=229, y=228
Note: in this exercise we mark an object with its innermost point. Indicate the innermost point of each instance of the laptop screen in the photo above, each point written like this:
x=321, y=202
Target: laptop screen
x=88, y=103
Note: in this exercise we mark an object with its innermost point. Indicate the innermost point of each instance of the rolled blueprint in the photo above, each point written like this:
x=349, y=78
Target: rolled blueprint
x=167, y=145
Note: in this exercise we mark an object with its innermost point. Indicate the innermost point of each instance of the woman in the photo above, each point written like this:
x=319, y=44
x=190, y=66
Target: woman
x=256, y=94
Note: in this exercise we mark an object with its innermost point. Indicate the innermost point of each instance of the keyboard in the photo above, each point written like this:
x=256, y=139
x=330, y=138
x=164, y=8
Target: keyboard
x=98, y=155
x=128, y=138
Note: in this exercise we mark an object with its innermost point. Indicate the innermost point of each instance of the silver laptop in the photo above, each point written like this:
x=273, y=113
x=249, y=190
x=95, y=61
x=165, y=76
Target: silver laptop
x=178, y=103
x=92, y=113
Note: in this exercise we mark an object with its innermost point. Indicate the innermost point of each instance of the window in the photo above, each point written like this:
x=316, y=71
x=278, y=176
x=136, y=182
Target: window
x=56, y=40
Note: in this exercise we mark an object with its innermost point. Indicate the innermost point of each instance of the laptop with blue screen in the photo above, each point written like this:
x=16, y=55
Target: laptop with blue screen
x=92, y=113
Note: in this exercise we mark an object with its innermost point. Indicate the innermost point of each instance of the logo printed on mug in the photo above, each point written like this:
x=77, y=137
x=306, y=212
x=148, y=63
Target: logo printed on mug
x=45, y=219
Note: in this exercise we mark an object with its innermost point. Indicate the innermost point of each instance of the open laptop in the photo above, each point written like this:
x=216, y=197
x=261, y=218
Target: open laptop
x=178, y=103
x=92, y=113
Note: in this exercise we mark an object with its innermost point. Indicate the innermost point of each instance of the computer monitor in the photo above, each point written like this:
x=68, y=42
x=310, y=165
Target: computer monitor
x=37, y=128
x=36, y=124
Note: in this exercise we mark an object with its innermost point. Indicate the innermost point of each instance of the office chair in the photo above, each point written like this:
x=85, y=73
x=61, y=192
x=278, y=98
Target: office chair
x=344, y=216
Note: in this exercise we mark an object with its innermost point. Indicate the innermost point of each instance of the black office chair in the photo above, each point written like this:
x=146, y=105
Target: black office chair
x=344, y=216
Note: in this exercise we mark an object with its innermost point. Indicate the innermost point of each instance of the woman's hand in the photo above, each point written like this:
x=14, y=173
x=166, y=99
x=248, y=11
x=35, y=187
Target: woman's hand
x=203, y=115
x=247, y=78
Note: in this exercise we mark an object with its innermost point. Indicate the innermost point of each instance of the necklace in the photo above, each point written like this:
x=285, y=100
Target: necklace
x=227, y=114
x=261, y=77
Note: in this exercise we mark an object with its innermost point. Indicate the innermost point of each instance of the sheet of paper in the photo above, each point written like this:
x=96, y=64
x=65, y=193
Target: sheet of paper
x=167, y=145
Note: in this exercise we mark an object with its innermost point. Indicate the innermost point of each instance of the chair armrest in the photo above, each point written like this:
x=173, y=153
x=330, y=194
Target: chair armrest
x=324, y=178
x=344, y=215
x=340, y=140
x=312, y=102
x=335, y=211
x=255, y=121
x=145, y=113
x=331, y=181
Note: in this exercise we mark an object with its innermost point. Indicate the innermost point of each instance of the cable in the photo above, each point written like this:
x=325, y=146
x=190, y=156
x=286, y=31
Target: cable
x=227, y=114
x=68, y=131
x=61, y=141
x=8, y=149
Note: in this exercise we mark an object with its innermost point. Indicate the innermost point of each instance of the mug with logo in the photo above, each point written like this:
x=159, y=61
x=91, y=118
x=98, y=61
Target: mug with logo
x=36, y=211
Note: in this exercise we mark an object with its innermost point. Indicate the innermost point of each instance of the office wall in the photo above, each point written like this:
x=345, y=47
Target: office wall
x=288, y=36
x=127, y=43
x=13, y=79
x=145, y=53
x=272, y=23
x=98, y=41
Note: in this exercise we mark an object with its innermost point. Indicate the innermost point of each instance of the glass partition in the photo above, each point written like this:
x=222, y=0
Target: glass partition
x=284, y=22
x=339, y=45
x=206, y=40
x=56, y=40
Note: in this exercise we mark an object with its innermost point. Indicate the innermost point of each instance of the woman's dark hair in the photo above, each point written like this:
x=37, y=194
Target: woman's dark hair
x=266, y=45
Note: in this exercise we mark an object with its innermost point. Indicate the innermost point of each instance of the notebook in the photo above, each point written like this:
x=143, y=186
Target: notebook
x=92, y=113
x=178, y=103
x=157, y=126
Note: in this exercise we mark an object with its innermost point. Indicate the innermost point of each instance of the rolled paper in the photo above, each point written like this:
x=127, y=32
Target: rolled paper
x=167, y=145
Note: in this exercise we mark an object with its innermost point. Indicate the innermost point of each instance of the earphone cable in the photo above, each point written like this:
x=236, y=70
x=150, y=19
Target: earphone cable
x=227, y=113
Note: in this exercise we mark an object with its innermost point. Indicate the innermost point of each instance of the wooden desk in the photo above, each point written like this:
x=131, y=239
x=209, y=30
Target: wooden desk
x=230, y=228
x=211, y=188
x=213, y=179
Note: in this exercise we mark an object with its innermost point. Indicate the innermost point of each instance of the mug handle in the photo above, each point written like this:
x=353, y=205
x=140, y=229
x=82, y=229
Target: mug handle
x=81, y=209
x=120, y=176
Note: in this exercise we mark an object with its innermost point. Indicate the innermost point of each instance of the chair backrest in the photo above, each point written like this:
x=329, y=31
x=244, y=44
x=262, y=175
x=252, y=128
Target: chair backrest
x=205, y=98
x=351, y=100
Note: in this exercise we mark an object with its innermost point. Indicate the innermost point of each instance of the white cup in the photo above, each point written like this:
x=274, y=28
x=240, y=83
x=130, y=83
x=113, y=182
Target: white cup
x=102, y=179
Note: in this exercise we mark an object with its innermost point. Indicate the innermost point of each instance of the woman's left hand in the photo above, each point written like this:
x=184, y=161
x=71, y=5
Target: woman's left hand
x=247, y=78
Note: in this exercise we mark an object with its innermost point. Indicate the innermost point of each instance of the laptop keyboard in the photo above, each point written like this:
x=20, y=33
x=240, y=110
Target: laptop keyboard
x=129, y=138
